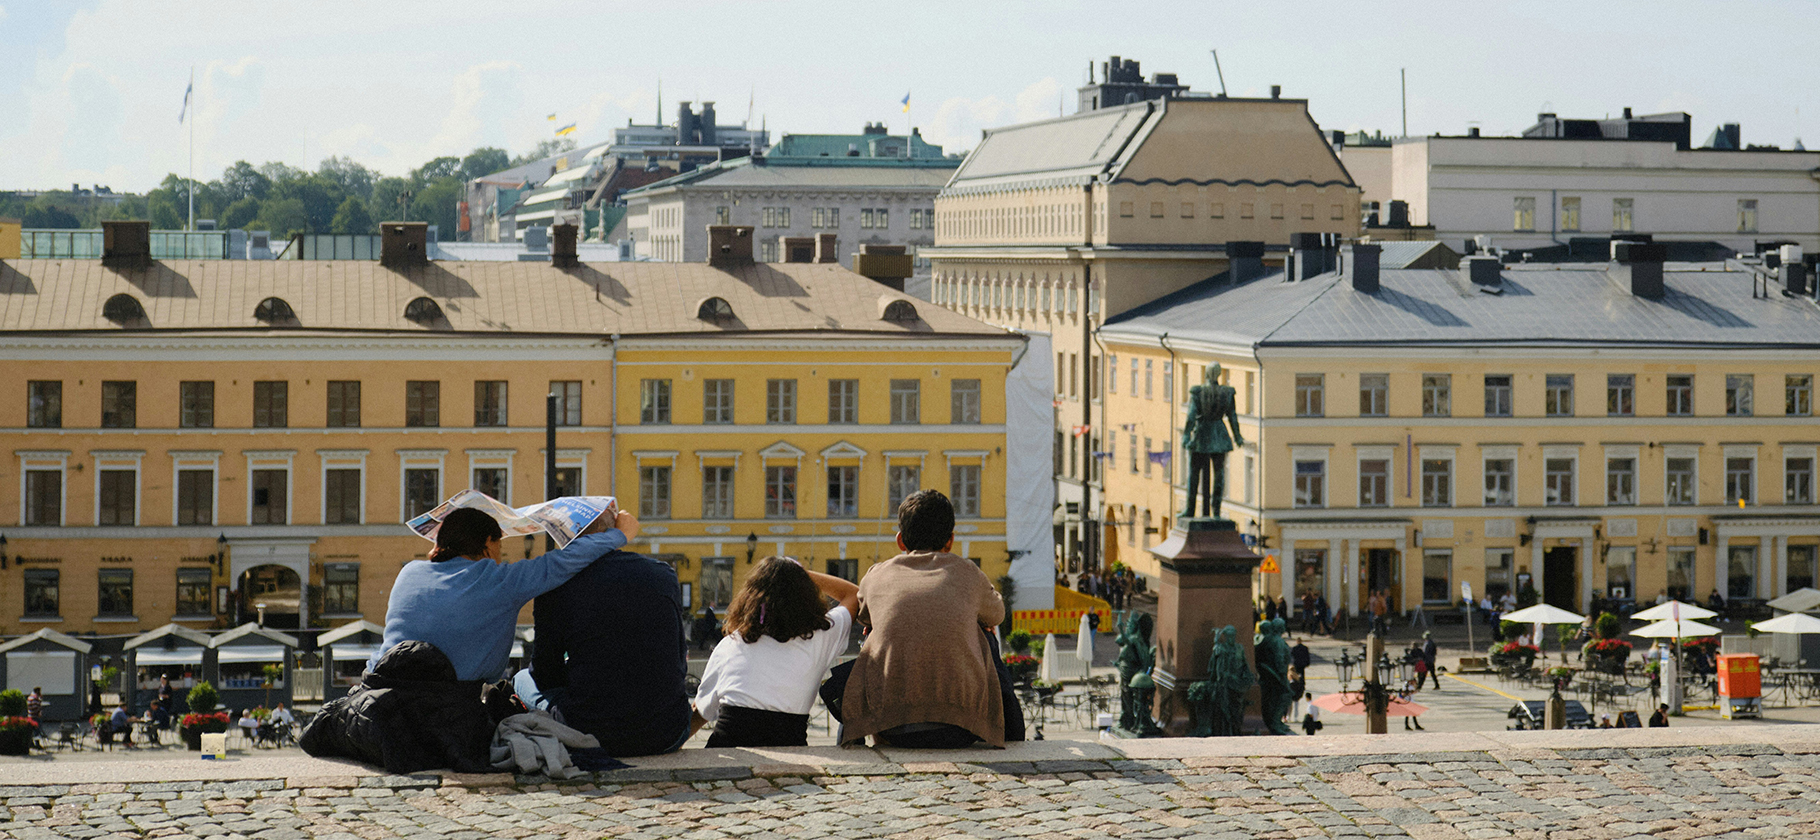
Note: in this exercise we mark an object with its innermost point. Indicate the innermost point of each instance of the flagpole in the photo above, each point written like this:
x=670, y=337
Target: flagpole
x=191, y=188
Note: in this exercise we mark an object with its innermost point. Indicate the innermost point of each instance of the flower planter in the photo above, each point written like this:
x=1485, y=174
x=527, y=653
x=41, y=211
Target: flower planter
x=192, y=735
x=15, y=740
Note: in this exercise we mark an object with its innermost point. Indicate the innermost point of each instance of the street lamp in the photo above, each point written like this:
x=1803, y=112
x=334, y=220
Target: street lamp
x=1344, y=664
x=2, y=551
x=751, y=546
x=221, y=554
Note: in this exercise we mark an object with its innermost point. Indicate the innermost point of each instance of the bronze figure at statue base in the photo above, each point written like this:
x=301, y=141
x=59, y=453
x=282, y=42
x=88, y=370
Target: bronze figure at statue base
x=1205, y=586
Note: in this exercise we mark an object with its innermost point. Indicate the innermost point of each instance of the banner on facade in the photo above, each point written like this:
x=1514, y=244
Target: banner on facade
x=562, y=518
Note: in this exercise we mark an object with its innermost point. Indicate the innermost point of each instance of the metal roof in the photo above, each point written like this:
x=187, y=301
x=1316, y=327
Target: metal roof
x=831, y=173
x=1076, y=147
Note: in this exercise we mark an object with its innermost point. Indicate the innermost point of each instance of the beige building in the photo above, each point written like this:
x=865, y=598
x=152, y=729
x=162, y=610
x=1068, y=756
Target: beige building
x=1566, y=425
x=1055, y=226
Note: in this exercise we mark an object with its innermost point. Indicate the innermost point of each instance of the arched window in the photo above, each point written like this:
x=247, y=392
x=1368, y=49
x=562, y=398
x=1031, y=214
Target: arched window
x=423, y=311
x=714, y=309
x=123, y=309
x=274, y=311
x=900, y=311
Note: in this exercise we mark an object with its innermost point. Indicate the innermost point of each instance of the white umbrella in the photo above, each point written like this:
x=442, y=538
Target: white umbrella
x=1670, y=628
x=1046, y=672
x=1791, y=623
x=1543, y=614
x=1667, y=610
x=1083, y=641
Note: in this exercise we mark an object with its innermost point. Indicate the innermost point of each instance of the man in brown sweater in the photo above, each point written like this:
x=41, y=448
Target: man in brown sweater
x=925, y=677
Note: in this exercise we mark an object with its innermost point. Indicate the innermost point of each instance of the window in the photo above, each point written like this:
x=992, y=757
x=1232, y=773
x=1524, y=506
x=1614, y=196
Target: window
x=1497, y=571
x=270, y=490
x=717, y=581
x=717, y=492
x=1525, y=214
x=1374, y=482
x=1570, y=213
x=1680, y=395
x=767, y=251
x=1437, y=482
x=964, y=489
x=780, y=401
x=1134, y=377
x=118, y=405
x=1156, y=209
x=344, y=404
x=1149, y=378
x=906, y=401
x=1681, y=573
x=717, y=401
x=1497, y=395
x=1374, y=394
x=1310, y=572
x=493, y=481
x=918, y=217
x=654, y=401
x=780, y=492
x=1132, y=437
x=341, y=588
x=118, y=493
x=196, y=497
x=115, y=598
x=194, y=591
x=1747, y=215
x=1738, y=394
x=1620, y=394
x=654, y=492
x=1169, y=381
x=1437, y=575
x=843, y=492
x=271, y=405
x=568, y=402
x=196, y=405
x=902, y=480
x=1681, y=485
x=422, y=491
x=42, y=598
x=1622, y=215
x=1741, y=572
x=1147, y=459
x=490, y=403
x=1739, y=480
x=1310, y=483
x=1437, y=395
x=1558, y=395
x=568, y=481
x=44, y=404
x=1620, y=481
x=1798, y=394
x=1558, y=482
x=43, y=497
x=776, y=217
x=843, y=401
x=341, y=497
x=964, y=401
x=1621, y=571
x=824, y=217
x=875, y=218
x=1798, y=481
x=1500, y=482
x=1309, y=395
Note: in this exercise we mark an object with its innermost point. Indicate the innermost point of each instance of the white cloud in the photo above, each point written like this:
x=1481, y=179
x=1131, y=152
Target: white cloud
x=959, y=120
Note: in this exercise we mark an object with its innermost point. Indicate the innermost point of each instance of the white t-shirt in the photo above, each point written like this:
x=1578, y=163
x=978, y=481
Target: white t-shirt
x=769, y=674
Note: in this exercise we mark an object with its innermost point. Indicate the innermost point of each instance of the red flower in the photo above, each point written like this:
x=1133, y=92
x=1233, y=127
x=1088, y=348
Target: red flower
x=200, y=718
x=18, y=722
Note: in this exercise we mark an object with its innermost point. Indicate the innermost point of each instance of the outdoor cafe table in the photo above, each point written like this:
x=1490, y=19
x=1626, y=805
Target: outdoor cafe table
x=1802, y=683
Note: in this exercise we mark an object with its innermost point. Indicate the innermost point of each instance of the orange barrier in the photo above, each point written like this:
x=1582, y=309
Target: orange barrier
x=1065, y=618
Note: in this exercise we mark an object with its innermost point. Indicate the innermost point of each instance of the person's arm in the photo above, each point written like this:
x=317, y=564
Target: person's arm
x=528, y=579
x=840, y=589
x=991, y=606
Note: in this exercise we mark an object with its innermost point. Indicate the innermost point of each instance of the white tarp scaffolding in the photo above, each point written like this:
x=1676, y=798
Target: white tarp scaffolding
x=1030, y=475
x=562, y=518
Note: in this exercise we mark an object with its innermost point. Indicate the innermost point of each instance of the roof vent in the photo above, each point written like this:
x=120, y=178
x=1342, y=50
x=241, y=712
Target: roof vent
x=562, y=247
x=798, y=249
x=403, y=244
x=714, y=309
x=827, y=248
x=126, y=244
x=729, y=245
x=1485, y=272
x=1638, y=266
x=1244, y=261
x=274, y=311
x=899, y=311
x=424, y=311
x=1362, y=267
x=887, y=264
x=124, y=309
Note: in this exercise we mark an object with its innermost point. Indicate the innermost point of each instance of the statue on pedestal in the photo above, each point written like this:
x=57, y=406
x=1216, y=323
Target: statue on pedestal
x=1136, y=658
x=1232, y=681
x=1274, y=694
x=1212, y=408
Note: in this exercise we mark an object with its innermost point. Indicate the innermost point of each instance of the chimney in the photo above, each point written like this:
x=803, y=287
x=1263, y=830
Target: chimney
x=686, y=125
x=1485, y=272
x=1307, y=255
x=562, y=247
x=729, y=245
x=827, y=248
x=1244, y=261
x=1399, y=214
x=1362, y=267
x=1276, y=91
x=1472, y=131
x=706, y=124
x=1627, y=112
x=887, y=264
x=126, y=244
x=401, y=244
x=1638, y=265
x=798, y=249
x=1794, y=270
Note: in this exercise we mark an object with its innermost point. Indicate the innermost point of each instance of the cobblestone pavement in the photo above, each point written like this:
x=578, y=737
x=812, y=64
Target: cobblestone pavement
x=1731, y=790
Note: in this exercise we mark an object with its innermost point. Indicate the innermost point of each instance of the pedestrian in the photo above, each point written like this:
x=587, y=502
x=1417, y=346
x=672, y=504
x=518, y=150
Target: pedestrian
x=1429, y=654
x=166, y=694
x=1380, y=608
x=1270, y=609
x=1409, y=690
x=34, y=704
x=1298, y=656
x=1311, y=719
x=1298, y=687
x=1660, y=718
x=1324, y=614
x=1283, y=608
x=1605, y=721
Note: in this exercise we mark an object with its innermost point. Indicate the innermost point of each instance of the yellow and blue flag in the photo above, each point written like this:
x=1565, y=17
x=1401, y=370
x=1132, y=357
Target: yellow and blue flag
x=551, y=118
x=565, y=130
x=906, y=103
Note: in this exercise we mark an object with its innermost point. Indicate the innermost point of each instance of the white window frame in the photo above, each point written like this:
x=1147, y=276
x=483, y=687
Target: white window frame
x=1635, y=455
x=1439, y=452
x=419, y=459
x=1809, y=453
x=1749, y=452
x=491, y=459
x=1678, y=452
x=272, y=459
x=1499, y=453
x=1556, y=453
x=119, y=459
x=46, y=460
x=1299, y=454
x=1387, y=454
x=576, y=458
x=194, y=460
x=340, y=459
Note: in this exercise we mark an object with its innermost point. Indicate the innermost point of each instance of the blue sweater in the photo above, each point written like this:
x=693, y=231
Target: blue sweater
x=469, y=608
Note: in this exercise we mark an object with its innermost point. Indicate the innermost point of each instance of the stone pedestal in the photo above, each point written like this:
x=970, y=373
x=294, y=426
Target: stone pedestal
x=1206, y=585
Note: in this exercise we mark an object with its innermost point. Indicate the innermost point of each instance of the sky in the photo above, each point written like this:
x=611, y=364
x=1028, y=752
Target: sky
x=90, y=90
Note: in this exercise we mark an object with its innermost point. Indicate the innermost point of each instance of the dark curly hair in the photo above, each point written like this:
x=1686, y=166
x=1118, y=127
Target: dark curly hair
x=464, y=533
x=779, y=600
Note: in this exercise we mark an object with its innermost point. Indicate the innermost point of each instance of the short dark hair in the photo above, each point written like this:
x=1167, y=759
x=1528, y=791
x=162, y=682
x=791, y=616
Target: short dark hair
x=465, y=533
x=779, y=600
x=926, y=521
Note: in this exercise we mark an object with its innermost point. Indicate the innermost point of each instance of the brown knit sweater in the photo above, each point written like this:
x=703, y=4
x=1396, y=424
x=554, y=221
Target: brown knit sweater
x=926, y=660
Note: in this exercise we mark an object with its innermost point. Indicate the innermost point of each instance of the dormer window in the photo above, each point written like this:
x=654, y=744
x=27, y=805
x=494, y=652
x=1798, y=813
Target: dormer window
x=715, y=309
x=123, y=309
x=423, y=311
x=900, y=311
x=274, y=311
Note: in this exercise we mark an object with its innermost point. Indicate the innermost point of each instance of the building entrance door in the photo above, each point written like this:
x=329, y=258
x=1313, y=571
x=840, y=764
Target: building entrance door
x=1560, y=573
x=274, y=590
x=1381, y=572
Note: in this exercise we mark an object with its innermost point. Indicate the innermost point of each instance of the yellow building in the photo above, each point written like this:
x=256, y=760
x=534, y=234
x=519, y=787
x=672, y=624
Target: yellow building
x=1570, y=426
x=1054, y=226
x=190, y=440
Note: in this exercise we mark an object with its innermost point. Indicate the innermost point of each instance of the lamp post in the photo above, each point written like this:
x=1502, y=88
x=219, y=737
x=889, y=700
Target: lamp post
x=751, y=546
x=261, y=608
x=2, y=551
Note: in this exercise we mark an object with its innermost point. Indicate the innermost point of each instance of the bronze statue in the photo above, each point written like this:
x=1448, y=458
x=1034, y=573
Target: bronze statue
x=1274, y=694
x=1136, y=657
x=1212, y=407
x=1231, y=680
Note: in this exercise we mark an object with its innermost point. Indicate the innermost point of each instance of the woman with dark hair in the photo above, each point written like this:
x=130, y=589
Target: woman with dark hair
x=465, y=598
x=761, y=680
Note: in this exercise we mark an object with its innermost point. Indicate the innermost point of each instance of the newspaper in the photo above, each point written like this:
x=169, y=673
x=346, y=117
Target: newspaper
x=562, y=518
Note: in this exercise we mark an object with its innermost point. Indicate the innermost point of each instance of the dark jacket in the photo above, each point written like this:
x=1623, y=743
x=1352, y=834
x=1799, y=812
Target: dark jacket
x=409, y=714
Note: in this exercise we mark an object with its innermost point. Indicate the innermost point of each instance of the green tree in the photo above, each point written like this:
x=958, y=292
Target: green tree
x=242, y=181
x=436, y=170
x=485, y=160
x=352, y=217
x=48, y=215
x=240, y=213
x=354, y=179
x=548, y=148
x=320, y=197
x=385, y=204
x=436, y=204
x=277, y=172
x=165, y=215
x=284, y=217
